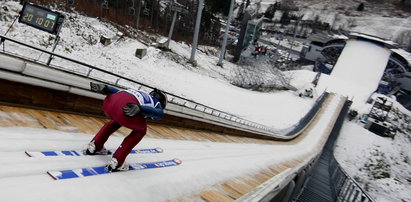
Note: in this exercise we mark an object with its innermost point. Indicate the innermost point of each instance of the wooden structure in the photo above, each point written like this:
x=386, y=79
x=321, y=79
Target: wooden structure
x=26, y=116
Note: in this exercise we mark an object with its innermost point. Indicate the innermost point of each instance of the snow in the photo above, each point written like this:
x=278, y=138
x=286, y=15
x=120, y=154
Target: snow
x=358, y=150
x=378, y=19
x=373, y=38
x=351, y=74
x=207, y=83
x=388, y=28
x=204, y=163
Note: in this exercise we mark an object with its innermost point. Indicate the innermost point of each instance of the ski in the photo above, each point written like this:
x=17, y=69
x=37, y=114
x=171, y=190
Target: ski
x=80, y=152
x=99, y=170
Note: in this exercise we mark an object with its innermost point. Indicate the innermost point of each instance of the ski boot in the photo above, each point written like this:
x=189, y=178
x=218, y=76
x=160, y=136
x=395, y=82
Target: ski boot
x=91, y=150
x=114, y=167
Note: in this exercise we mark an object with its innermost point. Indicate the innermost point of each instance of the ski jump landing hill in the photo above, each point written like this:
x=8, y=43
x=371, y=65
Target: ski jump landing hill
x=358, y=70
x=230, y=159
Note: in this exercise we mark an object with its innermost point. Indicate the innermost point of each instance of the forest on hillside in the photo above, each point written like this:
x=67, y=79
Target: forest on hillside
x=153, y=16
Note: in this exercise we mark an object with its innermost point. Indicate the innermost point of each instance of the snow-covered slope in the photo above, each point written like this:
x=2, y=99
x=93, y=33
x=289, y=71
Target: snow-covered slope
x=208, y=84
x=204, y=164
x=381, y=165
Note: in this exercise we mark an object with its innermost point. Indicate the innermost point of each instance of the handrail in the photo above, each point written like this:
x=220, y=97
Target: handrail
x=345, y=187
x=91, y=67
x=327, y=180
x=175, y=99
x=309, y=115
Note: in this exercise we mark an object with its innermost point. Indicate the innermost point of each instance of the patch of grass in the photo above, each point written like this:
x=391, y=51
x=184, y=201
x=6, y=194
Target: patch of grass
x=367, y=187
x=407, y=160
x=377, y=166
x=47, y=42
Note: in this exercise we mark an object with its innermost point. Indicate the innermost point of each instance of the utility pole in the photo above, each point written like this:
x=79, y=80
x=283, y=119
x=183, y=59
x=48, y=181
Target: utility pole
x=292, y=43
x=138, y=14
x=170, y=33
x=196, y=31
x=223, y=48
x=177, y=8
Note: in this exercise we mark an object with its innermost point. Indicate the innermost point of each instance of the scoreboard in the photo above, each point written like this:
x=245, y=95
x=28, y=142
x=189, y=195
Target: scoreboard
x=41, y=18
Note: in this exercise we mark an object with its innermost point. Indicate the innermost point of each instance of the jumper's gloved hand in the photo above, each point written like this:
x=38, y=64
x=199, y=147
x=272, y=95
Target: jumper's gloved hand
x=132, y=109
x=98, y=88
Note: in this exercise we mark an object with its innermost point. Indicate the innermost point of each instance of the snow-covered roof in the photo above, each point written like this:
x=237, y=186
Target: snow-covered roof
x=320, y=37
x=339, y=36
x=373, y=38
x=325, y=37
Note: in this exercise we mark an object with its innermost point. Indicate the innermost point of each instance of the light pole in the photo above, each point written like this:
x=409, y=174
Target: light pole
x=177, y=8
x=223, y=48
x=171, y=28
x=292, y=43
x=196, y=31
x=138, y=14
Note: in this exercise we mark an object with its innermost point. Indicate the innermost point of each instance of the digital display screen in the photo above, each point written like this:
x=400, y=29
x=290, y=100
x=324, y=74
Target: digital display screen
x=41, y=18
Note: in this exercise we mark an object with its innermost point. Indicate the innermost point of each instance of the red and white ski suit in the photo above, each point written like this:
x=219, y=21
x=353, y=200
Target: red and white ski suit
x=112, y=107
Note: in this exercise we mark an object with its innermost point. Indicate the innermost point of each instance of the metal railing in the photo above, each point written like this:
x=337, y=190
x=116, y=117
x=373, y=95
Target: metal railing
x=99, y=74
x=346, y=188
x=328, y=181
x=172, y=98
x=302, y=123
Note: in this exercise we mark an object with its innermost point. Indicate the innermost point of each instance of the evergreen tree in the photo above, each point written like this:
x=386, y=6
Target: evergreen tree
x=218, y=6
x=247, y=4
x=285, y=18
x=269, y=13
x=360, y=7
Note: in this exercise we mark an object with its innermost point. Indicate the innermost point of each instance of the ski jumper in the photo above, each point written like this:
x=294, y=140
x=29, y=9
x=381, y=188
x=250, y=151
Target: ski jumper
x=112, y=106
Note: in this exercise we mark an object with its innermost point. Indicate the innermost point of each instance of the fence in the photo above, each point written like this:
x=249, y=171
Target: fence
x=328, y=181
x=121, y=81
x=99, y=74
x=345, y=187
